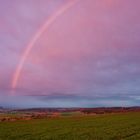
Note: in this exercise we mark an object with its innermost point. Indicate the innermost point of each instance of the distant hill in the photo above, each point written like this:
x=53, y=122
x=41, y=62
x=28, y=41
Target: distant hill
x=99, y=110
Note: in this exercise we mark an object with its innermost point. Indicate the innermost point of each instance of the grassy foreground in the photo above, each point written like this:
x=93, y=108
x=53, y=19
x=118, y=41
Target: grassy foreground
x=101, y=127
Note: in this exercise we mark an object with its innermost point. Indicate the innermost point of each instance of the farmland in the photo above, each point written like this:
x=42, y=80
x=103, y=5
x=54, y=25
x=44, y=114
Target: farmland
x=119, y=126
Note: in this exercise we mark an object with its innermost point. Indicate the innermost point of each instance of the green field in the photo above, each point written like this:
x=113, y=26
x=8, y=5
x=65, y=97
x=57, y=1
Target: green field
x=99, y=127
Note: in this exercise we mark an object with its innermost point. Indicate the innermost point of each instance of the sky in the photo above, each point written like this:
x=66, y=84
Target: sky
x=69, y=53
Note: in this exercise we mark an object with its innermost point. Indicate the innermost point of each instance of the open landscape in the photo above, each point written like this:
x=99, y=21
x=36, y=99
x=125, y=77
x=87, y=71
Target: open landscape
x=71, y=124
x=69, y=69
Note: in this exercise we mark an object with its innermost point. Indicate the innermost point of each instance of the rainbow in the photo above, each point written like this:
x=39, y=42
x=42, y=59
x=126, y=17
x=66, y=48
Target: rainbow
x=33, y=40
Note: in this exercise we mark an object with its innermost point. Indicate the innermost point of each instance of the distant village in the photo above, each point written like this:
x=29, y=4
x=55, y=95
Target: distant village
x=7, y=114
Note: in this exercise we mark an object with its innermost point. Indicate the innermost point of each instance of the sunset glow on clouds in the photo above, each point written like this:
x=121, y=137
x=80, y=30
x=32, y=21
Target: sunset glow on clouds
x=88, y=56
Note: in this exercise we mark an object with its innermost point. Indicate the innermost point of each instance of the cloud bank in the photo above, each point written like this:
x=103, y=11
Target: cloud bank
x=88, y=57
